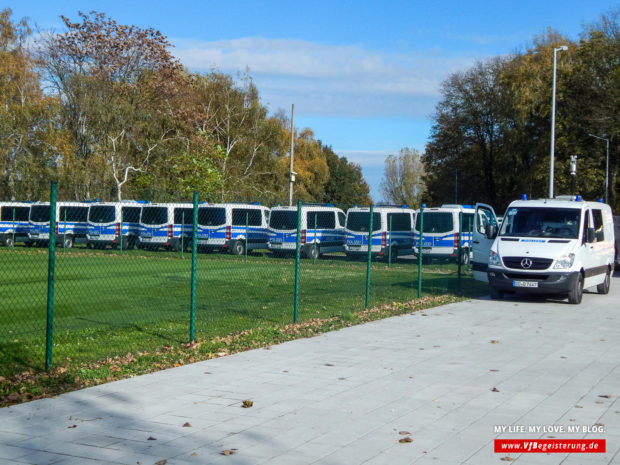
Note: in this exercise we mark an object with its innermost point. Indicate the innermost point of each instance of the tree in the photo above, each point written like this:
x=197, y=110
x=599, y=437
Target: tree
x=116, y=84
x=403, y=178
x=346, y=185
x=29, y=135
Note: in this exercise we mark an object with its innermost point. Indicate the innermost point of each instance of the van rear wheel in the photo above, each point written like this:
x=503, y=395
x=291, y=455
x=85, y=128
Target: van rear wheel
x=575, y=294
x=238, y=248
x=604, y=287
x=8, y=241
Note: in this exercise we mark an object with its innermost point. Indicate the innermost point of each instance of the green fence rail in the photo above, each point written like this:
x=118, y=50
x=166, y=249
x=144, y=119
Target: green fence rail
x=94, y=298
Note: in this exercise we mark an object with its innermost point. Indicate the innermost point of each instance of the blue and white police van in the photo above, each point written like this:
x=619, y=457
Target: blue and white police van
x=71, y=223
x=440, y=239
x=111, y=222
x=322, y=229
x=168, y=225
x=14, y=225
x=226, y=226
x=392, y=228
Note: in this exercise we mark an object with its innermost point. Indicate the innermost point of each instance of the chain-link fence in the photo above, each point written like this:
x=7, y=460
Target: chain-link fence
x=89, y=280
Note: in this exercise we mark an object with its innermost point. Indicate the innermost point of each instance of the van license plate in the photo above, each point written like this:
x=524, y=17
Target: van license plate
x=525, y=284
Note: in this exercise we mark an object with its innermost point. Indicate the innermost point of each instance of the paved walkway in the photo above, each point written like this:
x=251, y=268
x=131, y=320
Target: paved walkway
x=446, y=377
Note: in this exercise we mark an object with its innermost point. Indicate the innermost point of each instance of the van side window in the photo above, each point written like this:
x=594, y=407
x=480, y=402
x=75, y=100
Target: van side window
x=253, y=216
x=183, y=216
x=324, y=219
x=597, y=217
x=342, y=218
x=131, y=214
x=484, y=219
x=586, y=224
x=73, y=213
x=400, y=221
x=14, y=213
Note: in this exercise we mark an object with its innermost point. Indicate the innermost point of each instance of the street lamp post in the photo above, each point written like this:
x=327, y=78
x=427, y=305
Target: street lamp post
x=555, y=51
x=606, y=167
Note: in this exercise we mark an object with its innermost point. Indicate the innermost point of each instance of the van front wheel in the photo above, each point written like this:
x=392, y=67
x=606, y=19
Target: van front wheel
x=576, y=293
x=495, y=294
x=604, y=287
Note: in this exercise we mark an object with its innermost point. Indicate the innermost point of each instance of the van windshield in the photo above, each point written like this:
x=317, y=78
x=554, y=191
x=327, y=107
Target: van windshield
x=283, y=219
x=101, y=214
x=436, y=222
x=541, y=222
x=154, y=215
x=358, y=221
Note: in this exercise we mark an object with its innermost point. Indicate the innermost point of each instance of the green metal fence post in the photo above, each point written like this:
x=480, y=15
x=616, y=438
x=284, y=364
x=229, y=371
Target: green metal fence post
x=390, y=244
x=64, y=232
x=247, y=232
x=51, y=266
x=369, y=258
x=192, y=305
x=13, y=234
x=420, y=241
x=120, y=234
x=297, y=246
x=182, y=233
x=314, y=254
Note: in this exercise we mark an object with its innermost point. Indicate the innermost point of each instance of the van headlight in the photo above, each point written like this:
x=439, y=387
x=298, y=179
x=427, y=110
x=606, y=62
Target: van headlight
x=564, y=262
x=494, y=259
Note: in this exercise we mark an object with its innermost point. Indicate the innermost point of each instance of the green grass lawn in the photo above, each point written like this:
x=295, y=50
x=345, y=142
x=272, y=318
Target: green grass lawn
x=107, y=304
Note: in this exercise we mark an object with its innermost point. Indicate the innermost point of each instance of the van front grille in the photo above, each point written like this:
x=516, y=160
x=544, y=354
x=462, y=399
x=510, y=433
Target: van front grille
x=527, y=263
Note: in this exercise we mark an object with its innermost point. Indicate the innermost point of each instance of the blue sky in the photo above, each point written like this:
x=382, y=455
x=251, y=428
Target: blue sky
x=364, y=75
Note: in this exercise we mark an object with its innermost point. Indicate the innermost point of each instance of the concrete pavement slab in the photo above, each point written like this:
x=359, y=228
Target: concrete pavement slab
x=449, y=376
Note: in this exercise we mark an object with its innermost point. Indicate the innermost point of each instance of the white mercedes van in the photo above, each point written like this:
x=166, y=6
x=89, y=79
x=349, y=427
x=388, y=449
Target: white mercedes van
x=548, y=246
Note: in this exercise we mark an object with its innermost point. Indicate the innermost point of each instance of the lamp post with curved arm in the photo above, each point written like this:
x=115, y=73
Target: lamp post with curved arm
x=562, y=48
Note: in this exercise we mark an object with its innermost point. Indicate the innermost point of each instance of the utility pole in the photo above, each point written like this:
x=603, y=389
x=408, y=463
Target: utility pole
x=292, y=173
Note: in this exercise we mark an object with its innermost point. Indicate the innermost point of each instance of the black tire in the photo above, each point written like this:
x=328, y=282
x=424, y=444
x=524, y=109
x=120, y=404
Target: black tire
x=238, y=248
x=313, y=251
x=89, y=245
x=575, y=294
x=465, y=257
x=604, y=287
x=394, y=253
x=8, y=241
x=131, y=242
x=495, y=294
x=67, y=241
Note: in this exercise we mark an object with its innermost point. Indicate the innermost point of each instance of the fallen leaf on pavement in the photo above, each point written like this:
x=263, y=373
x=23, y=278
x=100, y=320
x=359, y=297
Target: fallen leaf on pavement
x=247, y=404
x=405, y=440
x=187, y=425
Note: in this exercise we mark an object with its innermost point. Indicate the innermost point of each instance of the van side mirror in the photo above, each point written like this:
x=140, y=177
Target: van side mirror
x=590, y=235
x=490, y=231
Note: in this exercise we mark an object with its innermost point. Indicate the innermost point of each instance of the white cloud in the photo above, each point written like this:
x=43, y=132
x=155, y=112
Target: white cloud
x=329, y=80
